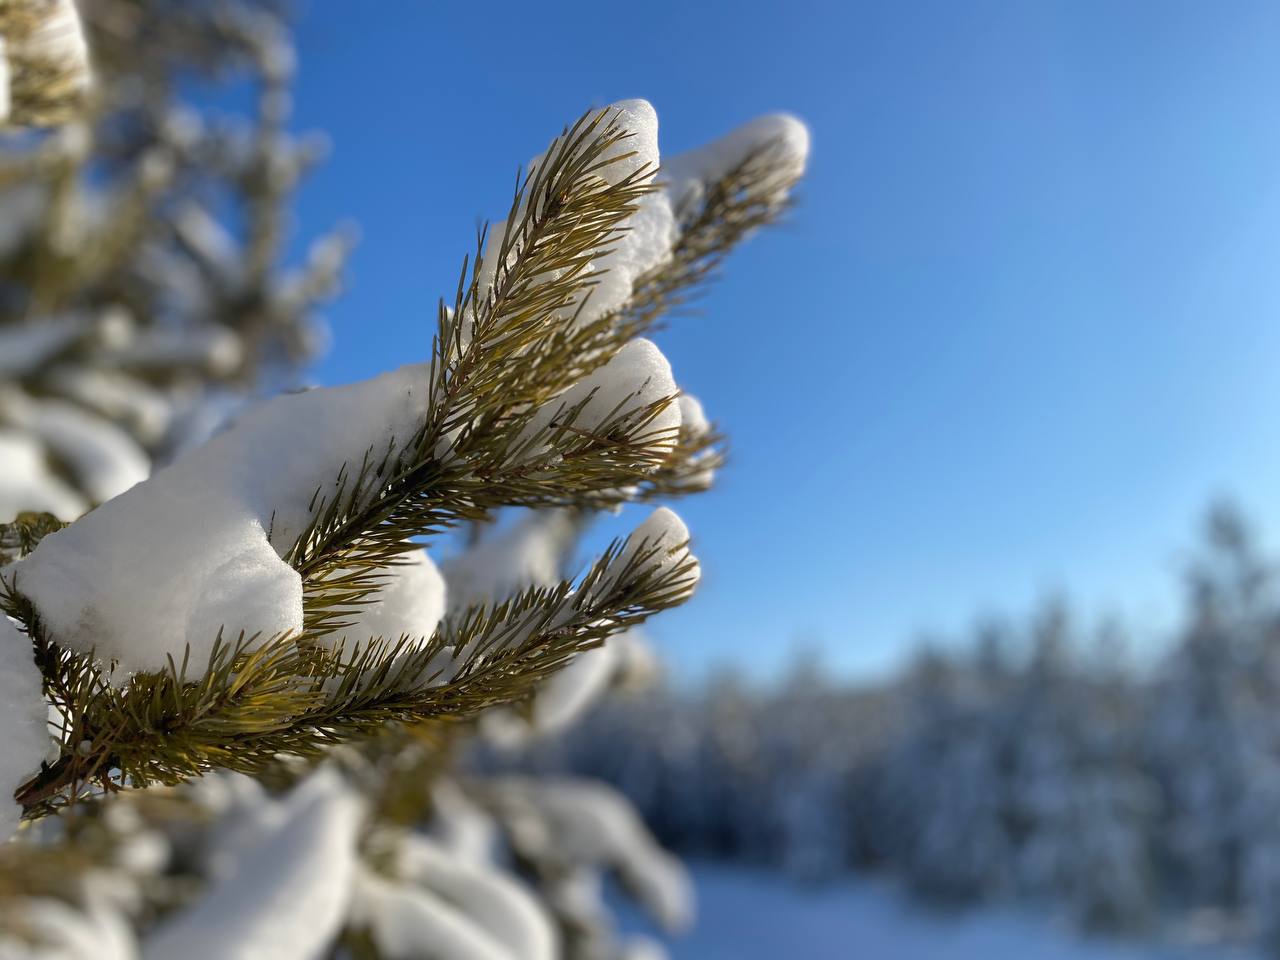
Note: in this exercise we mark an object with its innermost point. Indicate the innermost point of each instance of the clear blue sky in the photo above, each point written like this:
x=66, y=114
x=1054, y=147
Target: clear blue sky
x=1024, y=325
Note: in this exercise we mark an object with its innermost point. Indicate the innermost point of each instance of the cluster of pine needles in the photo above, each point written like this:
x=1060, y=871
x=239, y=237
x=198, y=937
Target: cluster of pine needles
x=514, y=338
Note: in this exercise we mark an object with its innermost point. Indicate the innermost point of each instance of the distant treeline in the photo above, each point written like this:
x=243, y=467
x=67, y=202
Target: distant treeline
x=1036, y=763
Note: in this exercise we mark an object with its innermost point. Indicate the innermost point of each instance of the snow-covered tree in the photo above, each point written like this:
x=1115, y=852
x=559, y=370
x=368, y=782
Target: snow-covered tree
x=1012, y=771
x=1212, y=730
x=44, y=63
x=143, y=290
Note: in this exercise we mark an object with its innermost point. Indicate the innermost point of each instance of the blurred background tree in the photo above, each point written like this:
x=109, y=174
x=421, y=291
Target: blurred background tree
x=144, y=283
x=1036, y=763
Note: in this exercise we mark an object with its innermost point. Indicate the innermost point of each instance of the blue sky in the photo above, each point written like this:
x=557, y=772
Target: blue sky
x=1021, y=329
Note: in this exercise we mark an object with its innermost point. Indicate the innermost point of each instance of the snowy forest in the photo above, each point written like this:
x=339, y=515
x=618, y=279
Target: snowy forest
x=1044, y=763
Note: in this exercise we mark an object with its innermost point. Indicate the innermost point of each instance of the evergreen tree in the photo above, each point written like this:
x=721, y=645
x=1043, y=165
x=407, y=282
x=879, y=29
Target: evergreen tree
x=142, y=288
x=235, y=686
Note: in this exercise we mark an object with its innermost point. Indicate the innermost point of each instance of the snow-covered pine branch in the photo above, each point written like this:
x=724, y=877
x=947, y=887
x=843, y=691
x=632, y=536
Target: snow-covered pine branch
x=223, y=867
x=44, y=62
x=266, y=600
x=257, y=552
x=143, y=291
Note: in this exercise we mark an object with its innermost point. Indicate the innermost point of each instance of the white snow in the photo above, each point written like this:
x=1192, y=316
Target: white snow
x=593, y=825
x=247, y=817
x=287, y=895
x=25, y=346
x=4, y=82
x=205, y=534
x=636, y=376
x=694, y=425
x=687, y=174
x=693, y=420
x=634, y=155
x=650, y=236
x=104, y=459
x=401, y=919
x=569, y=692
x=642, y=948
x=493, y=900
x=409, y=604
x=649, y=233
x=460, y=826
x=23, y=721
x=639, y=666
x=141, y=408
x=221, y=791
x=577, y=893
x=209, y=347
x=747, y=914
x=27, y=483
x=531, y=553
x=210, y=241
x=565, y=695
x=56, y=43
x=664, y=539
x=65, y=933
x=638, y=153
x=143, y=852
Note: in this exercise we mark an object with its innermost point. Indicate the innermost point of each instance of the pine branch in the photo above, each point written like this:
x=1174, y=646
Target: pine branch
x=514, y=339
x=494, y=362
x=257, y=701
x=565, y=214
x=19, y=538
x=485, y=402
x=753, y=194
x=489, y=341
x=47, y=69
x=687, y=471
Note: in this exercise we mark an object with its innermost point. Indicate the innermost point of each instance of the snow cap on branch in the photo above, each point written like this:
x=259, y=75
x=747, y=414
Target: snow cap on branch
x=649, y=239
x=27, y=483
x=459, y=826
x=65, y=933
x=663, y=540
x=785, y=137
x=624, y=393
x=637, y=155
x=491, y=900
x=568, y=693
x=409, y=603
x=197, y=548
x=650, y=232
x=24, y=719
x=694, y=426
x=529, y=554
x=571, y=691
x=693, y=420
x=646, y=238
x=287, y=895
x=592, y=825
x=44, y=61
x=103, y=459
x=401, y=918
x=27, y=345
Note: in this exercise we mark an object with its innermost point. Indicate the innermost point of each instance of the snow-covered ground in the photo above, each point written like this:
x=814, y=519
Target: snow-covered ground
x=748, y=914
